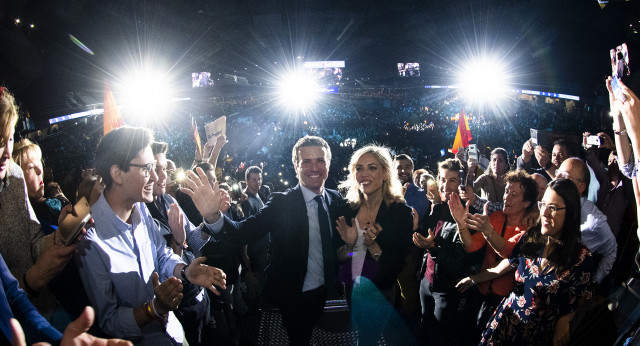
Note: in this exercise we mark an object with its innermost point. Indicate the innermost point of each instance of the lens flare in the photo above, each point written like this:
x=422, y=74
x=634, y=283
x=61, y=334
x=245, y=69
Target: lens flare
x=80, y=44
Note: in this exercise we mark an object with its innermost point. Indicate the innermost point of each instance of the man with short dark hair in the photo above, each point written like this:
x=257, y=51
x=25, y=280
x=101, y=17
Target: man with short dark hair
x=124, y=257
x=445, y=263
x=304, y=241
x=549, y=163
x=596, y=234
x=257, y=251
x=413, y=195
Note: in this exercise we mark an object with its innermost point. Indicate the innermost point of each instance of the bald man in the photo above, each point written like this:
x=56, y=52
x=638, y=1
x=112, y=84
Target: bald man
x=596, y=234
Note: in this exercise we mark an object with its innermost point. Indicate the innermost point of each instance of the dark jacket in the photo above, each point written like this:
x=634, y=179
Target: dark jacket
x=452, y=262
x=394, y=240
x=285, y=216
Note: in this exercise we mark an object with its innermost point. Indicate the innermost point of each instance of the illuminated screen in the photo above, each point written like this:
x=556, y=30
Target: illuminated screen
x=325, y=73
x=201, y=79
x=409, y=69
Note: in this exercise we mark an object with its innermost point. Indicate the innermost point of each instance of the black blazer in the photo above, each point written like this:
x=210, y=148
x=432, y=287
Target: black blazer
x=285, y=216
x=394, y=240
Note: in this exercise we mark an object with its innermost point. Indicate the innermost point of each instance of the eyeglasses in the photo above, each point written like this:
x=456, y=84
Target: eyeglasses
x=146, y=168
x=552, y=208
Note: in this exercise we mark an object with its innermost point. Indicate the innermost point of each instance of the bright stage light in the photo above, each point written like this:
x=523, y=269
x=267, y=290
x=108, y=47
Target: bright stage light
x=484, y=80
x=146, y=95
x=298, y=91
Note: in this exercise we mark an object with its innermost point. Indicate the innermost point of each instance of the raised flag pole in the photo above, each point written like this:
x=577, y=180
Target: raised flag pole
x=196, y=136
x=463, y=134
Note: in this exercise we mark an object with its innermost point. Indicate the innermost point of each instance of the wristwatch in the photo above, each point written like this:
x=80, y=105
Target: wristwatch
x=183, y=273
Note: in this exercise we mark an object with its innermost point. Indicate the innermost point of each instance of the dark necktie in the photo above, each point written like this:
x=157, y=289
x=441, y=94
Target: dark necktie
x=327, y=252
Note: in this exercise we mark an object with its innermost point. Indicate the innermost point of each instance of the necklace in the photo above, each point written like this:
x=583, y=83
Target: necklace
x=367, y=215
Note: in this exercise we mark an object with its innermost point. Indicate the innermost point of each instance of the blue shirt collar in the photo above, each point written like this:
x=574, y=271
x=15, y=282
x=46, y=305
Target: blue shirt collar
x=310, y=195
x=102, y=210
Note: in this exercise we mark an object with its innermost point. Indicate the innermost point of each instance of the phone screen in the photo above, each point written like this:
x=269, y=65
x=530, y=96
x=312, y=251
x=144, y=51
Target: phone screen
x=619, y=68
x=71, y=226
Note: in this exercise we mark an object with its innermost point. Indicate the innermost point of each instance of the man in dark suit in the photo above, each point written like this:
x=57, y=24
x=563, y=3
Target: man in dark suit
x=303, y=266
x=258, y=251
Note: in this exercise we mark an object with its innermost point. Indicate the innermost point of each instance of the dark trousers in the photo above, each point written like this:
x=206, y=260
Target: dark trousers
x=301, y=313
x=439, y=311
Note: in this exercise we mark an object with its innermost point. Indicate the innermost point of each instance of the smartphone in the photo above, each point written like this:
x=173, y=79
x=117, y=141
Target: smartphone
x=473, y=152
x=593, y=140
x=534, y=137
x=72, y=225
x=463, y=177
x=619, y=68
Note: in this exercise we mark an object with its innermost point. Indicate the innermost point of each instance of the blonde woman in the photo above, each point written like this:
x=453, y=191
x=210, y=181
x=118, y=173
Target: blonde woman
x=377, y=231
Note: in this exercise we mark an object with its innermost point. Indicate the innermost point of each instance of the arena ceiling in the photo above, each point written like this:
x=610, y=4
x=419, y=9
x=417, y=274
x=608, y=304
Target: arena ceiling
x=549, y=45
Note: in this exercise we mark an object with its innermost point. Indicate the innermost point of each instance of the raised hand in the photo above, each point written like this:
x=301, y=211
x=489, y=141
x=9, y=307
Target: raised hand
x=349, y=234
x=206, y=198
x=606, y=141
x=424, y=242
x=168, y=294
x=480, y=222
x=458, y=212
x=630, y=109
x=542, y=156
x=176, y=223
x=416, y=219
x=527, y=150
x=74, y=335
x=584, y=140
x=433, y=194
x=206, y=276
x=467, y=194
x=371, y=231
x=76, y=332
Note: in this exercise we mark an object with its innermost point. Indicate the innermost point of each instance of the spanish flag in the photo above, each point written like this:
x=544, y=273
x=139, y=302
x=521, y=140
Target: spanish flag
x=112, y=118
x=463, y=135
x=196, y=135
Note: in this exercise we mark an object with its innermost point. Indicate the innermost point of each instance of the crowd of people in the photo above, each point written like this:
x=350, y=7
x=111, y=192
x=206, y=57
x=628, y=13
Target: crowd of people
x=448, y=254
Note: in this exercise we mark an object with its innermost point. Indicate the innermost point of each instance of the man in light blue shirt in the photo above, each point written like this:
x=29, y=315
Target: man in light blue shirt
x=596, y=234
x=124, y=257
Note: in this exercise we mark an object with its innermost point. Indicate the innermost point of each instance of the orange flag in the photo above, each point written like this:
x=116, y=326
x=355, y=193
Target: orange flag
x=463, y=135
x=196, y=135
x=112, y=117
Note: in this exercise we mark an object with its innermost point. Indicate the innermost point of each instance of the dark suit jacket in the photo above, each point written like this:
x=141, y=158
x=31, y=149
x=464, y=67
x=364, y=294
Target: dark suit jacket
x=394, y=240
x=285, y=216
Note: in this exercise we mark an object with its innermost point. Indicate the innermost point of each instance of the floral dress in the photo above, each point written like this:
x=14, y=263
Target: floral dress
x=528, y=315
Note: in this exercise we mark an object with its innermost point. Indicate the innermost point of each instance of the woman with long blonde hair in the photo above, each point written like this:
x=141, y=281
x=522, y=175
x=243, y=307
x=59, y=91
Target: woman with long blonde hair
x=377, y=231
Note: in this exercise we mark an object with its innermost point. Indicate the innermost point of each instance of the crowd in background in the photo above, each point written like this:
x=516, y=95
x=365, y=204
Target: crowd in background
x=420, y=124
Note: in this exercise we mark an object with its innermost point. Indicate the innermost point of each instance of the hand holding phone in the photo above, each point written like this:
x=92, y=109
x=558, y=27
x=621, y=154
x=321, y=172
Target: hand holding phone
x=619, y=69
x=71, y=226
x=593, y=140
